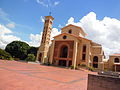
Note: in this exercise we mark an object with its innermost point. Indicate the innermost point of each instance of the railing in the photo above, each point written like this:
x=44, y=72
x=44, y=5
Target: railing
x=59, y=58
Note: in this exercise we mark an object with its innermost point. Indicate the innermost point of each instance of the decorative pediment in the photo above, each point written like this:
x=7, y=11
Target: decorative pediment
x=72, y=29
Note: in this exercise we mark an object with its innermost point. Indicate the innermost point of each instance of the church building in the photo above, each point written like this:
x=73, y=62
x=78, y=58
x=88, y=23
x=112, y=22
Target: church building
x=70, y=48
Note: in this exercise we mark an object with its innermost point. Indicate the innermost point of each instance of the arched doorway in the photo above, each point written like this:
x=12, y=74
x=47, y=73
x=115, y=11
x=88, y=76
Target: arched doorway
x=95, y=62
x=63, y=54
x=116, y=66
x=40, y=56
x=116, y=60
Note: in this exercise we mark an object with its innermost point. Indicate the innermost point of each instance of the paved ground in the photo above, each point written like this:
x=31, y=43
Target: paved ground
x=23, y=76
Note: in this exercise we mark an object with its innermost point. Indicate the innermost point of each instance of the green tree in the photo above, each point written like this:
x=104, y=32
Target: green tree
x=30, y=57
x=33, y=50
x=18, y=49
x=5, y=55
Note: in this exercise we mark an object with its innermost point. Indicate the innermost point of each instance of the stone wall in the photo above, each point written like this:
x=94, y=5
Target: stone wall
x=96, y=82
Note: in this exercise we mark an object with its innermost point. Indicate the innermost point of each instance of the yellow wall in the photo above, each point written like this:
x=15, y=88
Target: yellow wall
x=75, y=31
x=111, y=61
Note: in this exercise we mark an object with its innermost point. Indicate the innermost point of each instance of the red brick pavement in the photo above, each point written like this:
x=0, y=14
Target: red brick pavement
x=23, y=76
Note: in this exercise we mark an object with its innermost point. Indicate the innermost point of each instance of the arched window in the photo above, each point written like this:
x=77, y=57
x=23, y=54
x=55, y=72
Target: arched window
x=95, y=59
x=116, y=60
x=84, y=53
x=40, y=56
x=70, y=31
x=95, y=62
x=64, y=37
x=64, y=52
x=84, y=48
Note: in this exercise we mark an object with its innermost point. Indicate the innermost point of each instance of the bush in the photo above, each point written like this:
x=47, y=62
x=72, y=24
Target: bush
x=86, y=67
x=5, y=55
x=83, y=65
x=72, y=67
x=91, y=68
x=47, y=63
x=30, y=57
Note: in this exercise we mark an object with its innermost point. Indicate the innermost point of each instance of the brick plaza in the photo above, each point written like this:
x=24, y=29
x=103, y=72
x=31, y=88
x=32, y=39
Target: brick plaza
x=25, y=76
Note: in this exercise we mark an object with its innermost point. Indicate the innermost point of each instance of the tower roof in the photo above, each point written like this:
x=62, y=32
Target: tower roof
x=49, y=17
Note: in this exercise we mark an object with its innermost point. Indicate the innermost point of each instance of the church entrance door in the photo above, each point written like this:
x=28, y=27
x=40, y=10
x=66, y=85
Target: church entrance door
x=40, y=56
x=62, y=62
x=95, y=62
x=63, y=55
x=64, y=52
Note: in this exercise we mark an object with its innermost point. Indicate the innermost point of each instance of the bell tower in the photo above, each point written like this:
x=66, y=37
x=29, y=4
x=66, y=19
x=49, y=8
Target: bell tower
x=45, y=41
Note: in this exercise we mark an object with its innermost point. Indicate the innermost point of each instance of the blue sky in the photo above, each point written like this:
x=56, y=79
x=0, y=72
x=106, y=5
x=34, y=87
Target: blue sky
x=28, y=12
x=23, y=17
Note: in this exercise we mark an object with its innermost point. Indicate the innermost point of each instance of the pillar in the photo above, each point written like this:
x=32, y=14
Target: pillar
x=75, y=55
x=52, y=52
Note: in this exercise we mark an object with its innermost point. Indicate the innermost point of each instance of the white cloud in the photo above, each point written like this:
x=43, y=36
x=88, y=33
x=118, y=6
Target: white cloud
x=71, y=21
x=42, y=2
x=6, y=37
x=35, y=39
x=55, y=32
x=48, y=3
x=4, y=30
x=60, y=26
x=4, y=15
x=56, y=3
x=105, y=32
x=11, y=25
x=42, y=19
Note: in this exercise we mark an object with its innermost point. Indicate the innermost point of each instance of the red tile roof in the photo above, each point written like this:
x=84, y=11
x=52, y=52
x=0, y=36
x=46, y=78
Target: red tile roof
x=116, y=54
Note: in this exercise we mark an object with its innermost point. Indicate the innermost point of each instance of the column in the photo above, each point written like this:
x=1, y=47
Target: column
x=75, y=55
x=43, y=57
x=52, y=52
x=67, y=63
x=115, y=67
x=57, y=62
x=87, y=55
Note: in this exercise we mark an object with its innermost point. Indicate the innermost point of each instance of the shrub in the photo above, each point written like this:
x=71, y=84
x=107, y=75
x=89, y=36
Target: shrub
x=30, y=57
x=83, y=65
x=72, y=67
x=90, y=68
x=86, y=67
x=47, y=63
x=5, y=55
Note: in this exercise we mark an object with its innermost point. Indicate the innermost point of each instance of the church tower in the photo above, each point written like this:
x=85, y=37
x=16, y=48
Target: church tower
x=45, y=41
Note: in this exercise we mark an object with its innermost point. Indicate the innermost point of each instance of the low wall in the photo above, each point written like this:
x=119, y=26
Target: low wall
x=96, y=82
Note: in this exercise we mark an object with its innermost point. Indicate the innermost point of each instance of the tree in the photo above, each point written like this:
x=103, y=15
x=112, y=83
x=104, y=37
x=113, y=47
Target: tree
x=18, y=49
x=5, y=55
x=33, y=50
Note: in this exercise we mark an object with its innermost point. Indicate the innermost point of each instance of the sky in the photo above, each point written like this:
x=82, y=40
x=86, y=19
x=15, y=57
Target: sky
x=24, y=19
